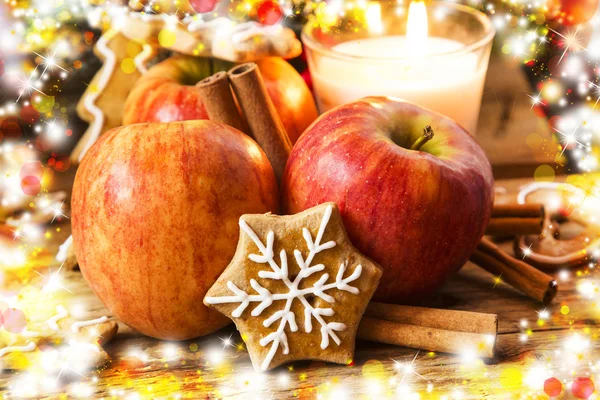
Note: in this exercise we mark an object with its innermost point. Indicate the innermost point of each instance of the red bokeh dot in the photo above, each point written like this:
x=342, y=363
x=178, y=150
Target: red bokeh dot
x=565, y=211
x=31, y=185
x=552, y=387
x=68, y=132
x=60, y=164
x=582, y=388
x=14, y=320
x=32, y=168
x=269, y=13
x=51, y=162
x=203, y=6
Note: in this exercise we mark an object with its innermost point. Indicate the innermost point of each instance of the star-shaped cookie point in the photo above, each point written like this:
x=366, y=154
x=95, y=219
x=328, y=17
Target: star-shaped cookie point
x=296, y=287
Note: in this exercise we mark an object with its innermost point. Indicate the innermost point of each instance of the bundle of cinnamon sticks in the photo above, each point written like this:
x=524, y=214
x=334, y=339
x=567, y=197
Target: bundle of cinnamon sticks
x=261, y=121
x=447, y=331
x=516, y=219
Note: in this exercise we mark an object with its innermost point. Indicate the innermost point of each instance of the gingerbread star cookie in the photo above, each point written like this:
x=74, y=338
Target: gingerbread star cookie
x=296, y=287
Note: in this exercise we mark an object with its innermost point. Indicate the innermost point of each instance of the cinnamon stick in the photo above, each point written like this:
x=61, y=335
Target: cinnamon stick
x=446, y=331
x=520, y=275
x=264, y=122
x=529, y=210
x=515, y=226
x=218, y=101
x=515, y=219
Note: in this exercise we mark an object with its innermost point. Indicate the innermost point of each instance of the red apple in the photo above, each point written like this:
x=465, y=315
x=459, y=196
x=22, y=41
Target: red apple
x=166, y=92
x=155, y=219
x=418, y=213
x=571, y=12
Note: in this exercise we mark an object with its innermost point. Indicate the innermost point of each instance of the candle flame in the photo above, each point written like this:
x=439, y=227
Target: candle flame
x=417, y=28
x=373, y=17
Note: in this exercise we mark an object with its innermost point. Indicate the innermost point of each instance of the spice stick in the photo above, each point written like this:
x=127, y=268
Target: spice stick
x=515, y=226
x=516, y=219
x=520, y=275
x=264, y=122
x=218, y=101
x=529, y=210
x=446, y=331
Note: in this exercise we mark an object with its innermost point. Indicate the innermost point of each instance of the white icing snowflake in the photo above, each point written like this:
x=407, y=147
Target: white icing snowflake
x=265, y=298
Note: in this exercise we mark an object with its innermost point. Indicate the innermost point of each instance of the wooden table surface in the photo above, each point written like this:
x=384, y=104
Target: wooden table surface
x=186, y=367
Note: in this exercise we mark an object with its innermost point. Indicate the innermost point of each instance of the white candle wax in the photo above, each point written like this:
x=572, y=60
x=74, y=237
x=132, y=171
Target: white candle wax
x=451, y=84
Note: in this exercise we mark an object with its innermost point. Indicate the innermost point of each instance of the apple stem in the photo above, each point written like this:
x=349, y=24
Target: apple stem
x=426, y=137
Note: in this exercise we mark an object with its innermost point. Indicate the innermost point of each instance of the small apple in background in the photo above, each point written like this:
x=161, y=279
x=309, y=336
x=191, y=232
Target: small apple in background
x=155, y=219
x=571, y=12
x=167, y=92
x=418, y=213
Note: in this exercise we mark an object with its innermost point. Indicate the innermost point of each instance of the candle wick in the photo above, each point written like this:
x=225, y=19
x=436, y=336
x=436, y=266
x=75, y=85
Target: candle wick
x=424, y=138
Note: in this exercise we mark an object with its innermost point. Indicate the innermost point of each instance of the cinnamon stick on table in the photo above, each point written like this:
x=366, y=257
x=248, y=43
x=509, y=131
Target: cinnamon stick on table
x=446, y=331
x=528, y=210
x=516, y=219
x=520, y=275
x=264, y=122
x=218, y=101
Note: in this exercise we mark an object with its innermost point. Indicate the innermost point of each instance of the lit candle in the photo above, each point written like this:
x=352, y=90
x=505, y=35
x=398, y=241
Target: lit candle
x=443, y=71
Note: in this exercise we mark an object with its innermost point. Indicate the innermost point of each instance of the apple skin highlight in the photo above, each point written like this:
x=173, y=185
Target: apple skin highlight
x=419, y=214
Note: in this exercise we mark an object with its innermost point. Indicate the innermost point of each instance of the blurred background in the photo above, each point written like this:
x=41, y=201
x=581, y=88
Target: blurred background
x=47, y=61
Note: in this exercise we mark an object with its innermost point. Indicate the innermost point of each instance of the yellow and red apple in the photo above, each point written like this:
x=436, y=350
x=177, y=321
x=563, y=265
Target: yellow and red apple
x=167, y=92
x=418, y=213
x=155, y=219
